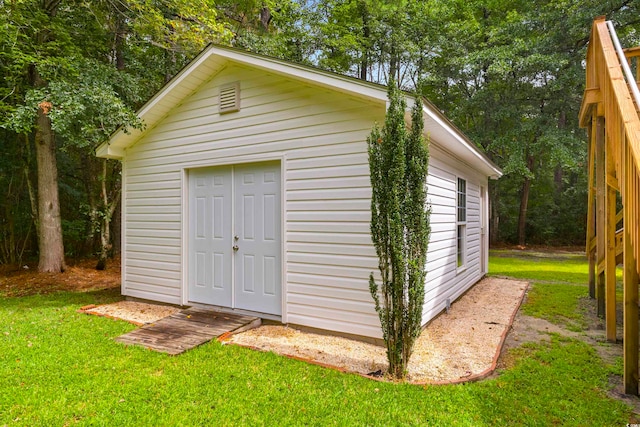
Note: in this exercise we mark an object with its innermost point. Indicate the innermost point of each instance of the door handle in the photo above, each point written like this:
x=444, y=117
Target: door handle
x=235, y=248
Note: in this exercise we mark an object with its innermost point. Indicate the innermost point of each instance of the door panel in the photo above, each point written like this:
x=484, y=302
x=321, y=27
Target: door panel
x=236, y=207
x=210, y=258
x=257, y=222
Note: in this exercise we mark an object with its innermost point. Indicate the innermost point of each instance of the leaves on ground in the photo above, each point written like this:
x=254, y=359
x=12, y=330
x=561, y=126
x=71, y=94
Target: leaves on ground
x=17, y=281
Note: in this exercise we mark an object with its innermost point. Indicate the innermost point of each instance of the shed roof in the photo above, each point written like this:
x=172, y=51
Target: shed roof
x=214, y=58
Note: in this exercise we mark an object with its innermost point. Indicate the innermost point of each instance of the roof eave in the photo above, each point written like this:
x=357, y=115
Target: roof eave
x=480, y=159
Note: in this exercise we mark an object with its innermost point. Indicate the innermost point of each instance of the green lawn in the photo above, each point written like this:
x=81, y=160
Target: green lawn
x=540, y=266
x=59, y=367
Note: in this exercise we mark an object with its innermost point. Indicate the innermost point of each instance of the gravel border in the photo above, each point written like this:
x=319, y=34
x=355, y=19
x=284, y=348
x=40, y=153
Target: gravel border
x=459, y=346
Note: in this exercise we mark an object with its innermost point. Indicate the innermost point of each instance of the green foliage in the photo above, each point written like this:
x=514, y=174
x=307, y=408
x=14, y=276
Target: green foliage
x=371, y=39
x=97, y=381
x=510, y=74
x=398, y=163
x=85, y=107
x=16, y=224
x=275, y=28
x=182, y=25
x=89, y=65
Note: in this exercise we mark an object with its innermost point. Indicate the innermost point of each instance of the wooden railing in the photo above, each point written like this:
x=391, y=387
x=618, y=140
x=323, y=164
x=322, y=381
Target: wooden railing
x=610, y=114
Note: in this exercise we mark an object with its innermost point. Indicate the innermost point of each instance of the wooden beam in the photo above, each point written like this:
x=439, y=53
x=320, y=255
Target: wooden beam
x=632, y=52
x=592, y=97
x=612, y=182
x=591, y=226
x=610, y=264
x=630, y=315
x=630, y=283
x=592, y=274
x=600, y=213
x=610, y=232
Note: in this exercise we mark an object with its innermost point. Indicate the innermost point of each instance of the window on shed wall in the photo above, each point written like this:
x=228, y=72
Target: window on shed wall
x=461, y=232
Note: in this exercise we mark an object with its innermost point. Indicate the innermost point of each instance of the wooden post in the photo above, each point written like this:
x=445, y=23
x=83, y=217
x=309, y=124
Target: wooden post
x=591, y=255
x=613, y=142
x=600, y=214
x=610, y=261
x=630, y=286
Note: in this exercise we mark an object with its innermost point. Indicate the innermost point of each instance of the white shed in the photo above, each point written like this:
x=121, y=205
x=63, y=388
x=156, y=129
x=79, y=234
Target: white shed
x=249, y=190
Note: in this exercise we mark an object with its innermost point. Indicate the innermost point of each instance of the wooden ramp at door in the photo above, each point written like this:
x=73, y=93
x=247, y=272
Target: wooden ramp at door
x=187, y=329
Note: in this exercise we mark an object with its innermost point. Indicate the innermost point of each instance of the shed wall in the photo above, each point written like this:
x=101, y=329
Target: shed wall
x=319, y=135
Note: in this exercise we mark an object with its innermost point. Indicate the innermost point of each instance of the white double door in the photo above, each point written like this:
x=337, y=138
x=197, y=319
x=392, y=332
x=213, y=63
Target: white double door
x=234, y=237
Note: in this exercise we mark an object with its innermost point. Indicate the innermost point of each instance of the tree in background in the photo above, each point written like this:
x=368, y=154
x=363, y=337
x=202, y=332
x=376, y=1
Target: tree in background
x=507, y=72
x=510, y=74
x=398, y=163
x=372, y=39
x=74, y=72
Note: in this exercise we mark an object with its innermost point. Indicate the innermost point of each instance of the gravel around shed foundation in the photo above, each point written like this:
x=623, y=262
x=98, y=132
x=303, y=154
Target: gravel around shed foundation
x=138, y=313
x=459, y=345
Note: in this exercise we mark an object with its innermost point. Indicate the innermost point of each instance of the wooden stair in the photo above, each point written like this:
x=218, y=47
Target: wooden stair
x=610, y=113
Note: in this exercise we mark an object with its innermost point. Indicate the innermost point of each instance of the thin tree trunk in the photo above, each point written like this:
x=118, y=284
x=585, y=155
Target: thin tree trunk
x=116, y=227
x=33, y=198
x=366, y=35
x=105, y=225
x=494, y=227
x=50, y=224
x=524, y=202
x=522, y=218
x=121, y=33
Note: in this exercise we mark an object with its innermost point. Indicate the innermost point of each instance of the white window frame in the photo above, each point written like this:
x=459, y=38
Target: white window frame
x=461, y=223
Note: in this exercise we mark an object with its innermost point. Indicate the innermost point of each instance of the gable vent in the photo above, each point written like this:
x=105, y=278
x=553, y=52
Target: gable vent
x=229, y=100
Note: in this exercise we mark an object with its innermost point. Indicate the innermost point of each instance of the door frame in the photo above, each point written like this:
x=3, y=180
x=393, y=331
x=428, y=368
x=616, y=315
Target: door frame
x=184, y=219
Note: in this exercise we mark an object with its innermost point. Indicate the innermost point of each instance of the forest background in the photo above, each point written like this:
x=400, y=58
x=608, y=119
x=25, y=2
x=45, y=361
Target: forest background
x=509, y=73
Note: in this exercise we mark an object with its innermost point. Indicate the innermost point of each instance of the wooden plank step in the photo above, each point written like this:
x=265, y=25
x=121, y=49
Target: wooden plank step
x=163, y=343
x=208, y=317
x=187, y=329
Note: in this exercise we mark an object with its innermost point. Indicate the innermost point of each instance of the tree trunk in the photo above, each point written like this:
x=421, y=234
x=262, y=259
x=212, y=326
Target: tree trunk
x=366, y=35
x=524, y=202
x=109, y=207
x=49, y=221
x=120, y=36
x=33, y=198
x=116, y=228
x=494, y=222
x=522, y=218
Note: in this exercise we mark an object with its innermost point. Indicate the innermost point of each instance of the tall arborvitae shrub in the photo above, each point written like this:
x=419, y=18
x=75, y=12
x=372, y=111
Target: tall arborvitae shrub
x=398, y=162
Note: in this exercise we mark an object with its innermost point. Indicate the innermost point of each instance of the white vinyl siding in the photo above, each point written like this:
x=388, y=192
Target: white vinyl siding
x=444, y=280
x=320, y=137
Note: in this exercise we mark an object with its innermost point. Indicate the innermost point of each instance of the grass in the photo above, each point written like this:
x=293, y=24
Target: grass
x=559, y=281
x=557, y=303
x=540, y=267
x=59, y=367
